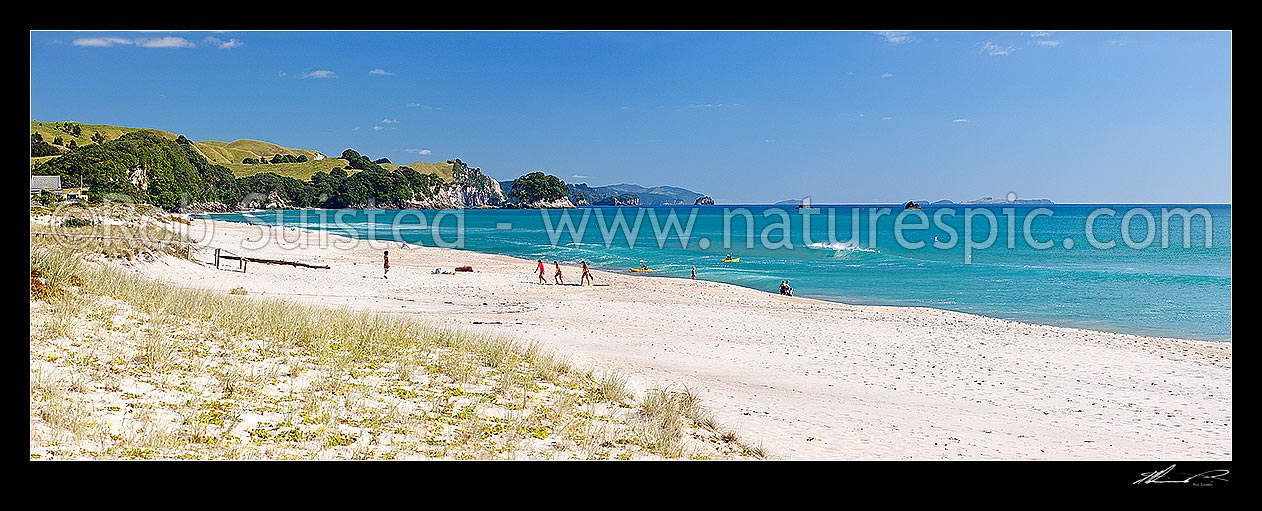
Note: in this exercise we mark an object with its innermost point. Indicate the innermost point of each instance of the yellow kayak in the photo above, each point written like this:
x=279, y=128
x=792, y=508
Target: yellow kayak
x=737, y=260
x=638, y=269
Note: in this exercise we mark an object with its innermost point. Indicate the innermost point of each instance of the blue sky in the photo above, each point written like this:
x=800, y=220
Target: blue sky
x=746, y=117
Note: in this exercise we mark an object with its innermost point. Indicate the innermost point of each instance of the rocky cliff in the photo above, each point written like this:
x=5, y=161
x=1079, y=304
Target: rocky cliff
x=704, y=201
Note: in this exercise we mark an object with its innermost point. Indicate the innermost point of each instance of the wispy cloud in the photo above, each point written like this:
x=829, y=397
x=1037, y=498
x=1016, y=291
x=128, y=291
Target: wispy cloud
x=1047, y=43
x=380, y=72
x=282, y=73
x=707, y=105
x=896, y=37
x=100, y=42
x=378, y=128
x=166, y=42
x=417, y=151
x=993, y=49
x=887, y=75
x=154, y=42
x=577, y=176
x=961, y=119
x=418, y=105
x=320, y=73
x=1045, y=33
x=389, y=121
x=215, y=41
x=887, y=118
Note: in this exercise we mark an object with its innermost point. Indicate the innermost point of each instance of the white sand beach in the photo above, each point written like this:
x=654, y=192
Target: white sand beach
x=811, y=380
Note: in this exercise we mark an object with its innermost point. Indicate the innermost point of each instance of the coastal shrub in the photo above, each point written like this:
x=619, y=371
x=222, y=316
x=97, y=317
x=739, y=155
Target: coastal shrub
x=537, y=186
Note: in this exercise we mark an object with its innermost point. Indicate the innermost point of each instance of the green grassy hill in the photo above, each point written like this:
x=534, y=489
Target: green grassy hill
x=443, y=168
x=300, y=171
x=224, y=153
x=230, y=154
x=51, y=130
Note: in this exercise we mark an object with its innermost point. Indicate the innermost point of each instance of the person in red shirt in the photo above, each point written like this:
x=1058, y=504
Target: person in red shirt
x=541, y=279
x=386, y=275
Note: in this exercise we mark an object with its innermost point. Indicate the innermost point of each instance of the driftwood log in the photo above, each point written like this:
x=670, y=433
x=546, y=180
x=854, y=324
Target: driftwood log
x=274, y=261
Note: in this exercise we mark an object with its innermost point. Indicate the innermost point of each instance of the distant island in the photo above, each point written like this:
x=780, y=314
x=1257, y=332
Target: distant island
x=172, y=172
x=987, y=200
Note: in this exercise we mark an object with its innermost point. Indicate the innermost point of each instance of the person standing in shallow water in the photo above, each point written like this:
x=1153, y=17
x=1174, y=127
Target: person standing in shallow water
x=386, y=275
x=694, y=273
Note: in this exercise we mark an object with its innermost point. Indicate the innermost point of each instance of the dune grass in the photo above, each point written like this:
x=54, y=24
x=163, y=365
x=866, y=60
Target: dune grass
x=123, y=367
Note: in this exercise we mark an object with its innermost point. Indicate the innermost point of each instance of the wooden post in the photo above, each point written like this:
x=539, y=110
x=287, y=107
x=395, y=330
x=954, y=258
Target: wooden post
x=216, y=259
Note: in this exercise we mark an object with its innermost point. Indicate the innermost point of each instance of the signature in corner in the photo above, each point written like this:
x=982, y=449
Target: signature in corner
x=1205, y=478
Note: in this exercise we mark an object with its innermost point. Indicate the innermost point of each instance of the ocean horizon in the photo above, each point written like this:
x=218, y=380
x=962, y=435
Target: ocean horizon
x=1146, y=282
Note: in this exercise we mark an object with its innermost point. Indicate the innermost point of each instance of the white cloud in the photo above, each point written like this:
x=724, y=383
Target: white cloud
x=887, y=118
x=282, y=74
x=706, y=105
x=1047, y=43
x=959, y=120
x=320, y=73
x=214, y=41
x=154, y=42
x=389, y=121
x=100, y=42
x=166, y=42
x=994, y=49
x=418, y=105
x=887, y=75
x=577, y=176
x=1046, y=33
x=893, y=37
x=380, y=72
x=417, y=151
x=377, y=128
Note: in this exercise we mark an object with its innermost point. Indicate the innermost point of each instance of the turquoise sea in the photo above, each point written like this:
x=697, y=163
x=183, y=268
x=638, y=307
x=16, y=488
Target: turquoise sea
x=837, y=253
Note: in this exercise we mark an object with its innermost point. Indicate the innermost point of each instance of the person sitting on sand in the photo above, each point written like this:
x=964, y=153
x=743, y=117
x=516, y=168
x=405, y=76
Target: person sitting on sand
x=788, y=290
x=556, y=277
x=587, y=275
x=386, y=275
x=541, y=279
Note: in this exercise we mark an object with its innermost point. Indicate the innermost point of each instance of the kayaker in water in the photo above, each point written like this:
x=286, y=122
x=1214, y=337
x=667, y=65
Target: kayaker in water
x=643, y=266
x=587, y=275
x=556, y=277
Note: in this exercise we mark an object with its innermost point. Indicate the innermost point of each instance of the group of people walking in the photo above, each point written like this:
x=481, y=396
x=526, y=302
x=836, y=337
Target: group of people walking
x=557, y=278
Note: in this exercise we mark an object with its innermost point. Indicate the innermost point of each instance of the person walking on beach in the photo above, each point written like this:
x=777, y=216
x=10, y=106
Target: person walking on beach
x=694, y=273
x=556, y=277
x=541, y=279
x=587, y=275
x=386, y=275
